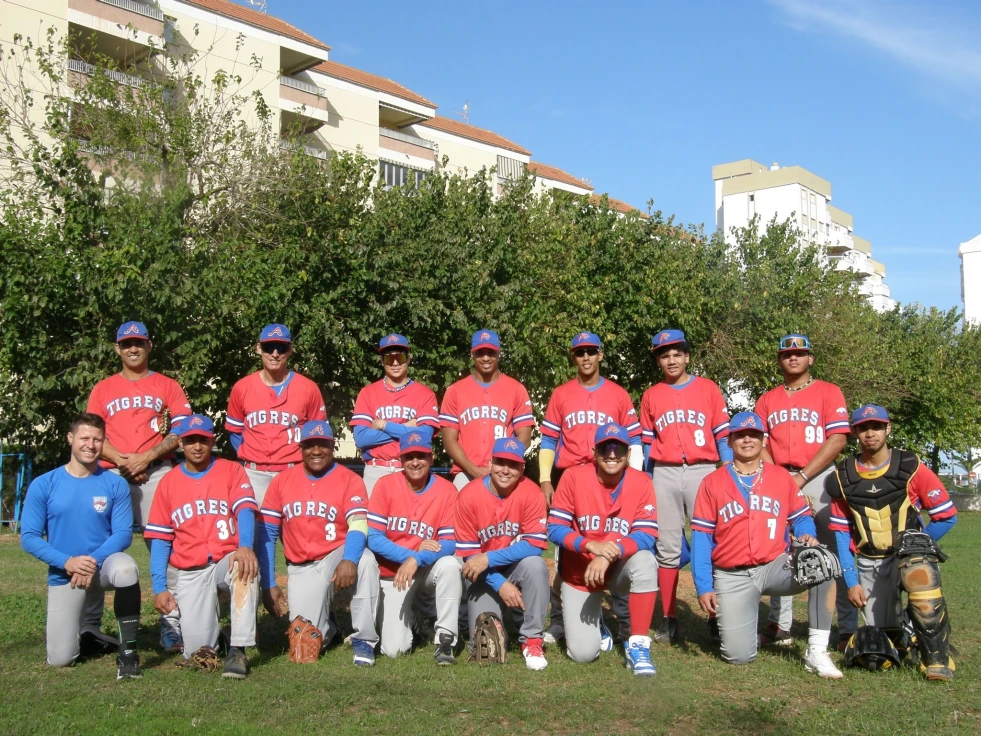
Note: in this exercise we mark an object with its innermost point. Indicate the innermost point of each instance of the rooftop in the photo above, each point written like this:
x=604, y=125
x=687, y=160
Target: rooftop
x=617, y=205
x=371, y=81
x=544, y=171
x=255, y=18
x=465, y=130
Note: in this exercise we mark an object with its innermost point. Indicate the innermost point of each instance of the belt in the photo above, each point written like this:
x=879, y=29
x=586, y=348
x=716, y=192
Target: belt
x=267, y=467
x=661, y=463
x=737, y=568
x=793, y=468
x=384, y=463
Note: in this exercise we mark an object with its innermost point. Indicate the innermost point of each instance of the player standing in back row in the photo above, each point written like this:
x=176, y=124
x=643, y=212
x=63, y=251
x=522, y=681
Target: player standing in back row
x=685, y=425
x=389, y=409
x=482, y=408
x=807, y=424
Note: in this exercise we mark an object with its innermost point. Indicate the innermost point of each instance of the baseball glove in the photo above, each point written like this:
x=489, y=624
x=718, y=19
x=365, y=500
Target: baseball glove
x=205, y=659
x=920, y=545
x=163, y=422
x=489, y=642
x=305, y=641
x=814, y=565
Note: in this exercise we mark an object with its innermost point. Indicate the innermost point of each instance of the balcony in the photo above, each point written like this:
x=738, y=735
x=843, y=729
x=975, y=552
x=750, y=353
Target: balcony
x=303, y=106
x=855, y=261
x=78, y=69
x=304, y=148
x=125, y=30
x=510, y=169
x=411, y=146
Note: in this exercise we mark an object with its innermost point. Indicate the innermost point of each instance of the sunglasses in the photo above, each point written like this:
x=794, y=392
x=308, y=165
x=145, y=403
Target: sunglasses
x=795, y=342
x=395, y=356
x=134, y=342
x=618, y=449
x=582, y=352
x=271, y=347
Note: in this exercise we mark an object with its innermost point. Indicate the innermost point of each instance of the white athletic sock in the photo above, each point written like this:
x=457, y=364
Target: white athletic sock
x=818, y=639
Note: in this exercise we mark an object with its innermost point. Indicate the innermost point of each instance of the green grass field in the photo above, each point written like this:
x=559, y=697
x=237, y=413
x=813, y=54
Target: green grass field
x=694, y=691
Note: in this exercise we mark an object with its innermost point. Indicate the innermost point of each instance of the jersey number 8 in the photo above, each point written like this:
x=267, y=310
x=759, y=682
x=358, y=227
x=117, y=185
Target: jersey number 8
x=226, y=528
x=700, y=438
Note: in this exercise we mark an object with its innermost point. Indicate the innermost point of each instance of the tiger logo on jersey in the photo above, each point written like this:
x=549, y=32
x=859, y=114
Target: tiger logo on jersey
x=100, y=503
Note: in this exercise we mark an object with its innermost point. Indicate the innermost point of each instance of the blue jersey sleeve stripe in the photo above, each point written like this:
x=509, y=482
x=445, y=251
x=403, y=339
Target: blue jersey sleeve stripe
x=835, y=425
x=449, y=418
x=941, y=508
x=524, y=418
x=383, y=520
x=160, y=529
x=560, y=514
x=838, y=520
x=721, y=428
x=355, y=510
x=234, y=422
x=270, y=512
x=703, y=525
x=245, y=501
x=802, y=510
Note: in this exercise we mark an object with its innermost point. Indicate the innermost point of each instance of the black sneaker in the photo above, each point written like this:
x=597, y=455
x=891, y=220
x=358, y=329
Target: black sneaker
x=715, y=636
x=91, y=644
x=236, y=665
x=667, y=633
x=444, y=650
x=128, y=665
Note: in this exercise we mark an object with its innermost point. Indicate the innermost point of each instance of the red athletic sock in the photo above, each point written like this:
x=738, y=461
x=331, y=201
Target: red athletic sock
x=667, y=581
x=641, y=607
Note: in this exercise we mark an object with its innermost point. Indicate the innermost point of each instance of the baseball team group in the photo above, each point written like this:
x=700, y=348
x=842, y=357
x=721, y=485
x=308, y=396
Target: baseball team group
x=775, y=509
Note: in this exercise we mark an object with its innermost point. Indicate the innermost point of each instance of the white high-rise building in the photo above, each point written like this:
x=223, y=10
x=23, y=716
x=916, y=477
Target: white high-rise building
x=970, y=253
x=744, y=189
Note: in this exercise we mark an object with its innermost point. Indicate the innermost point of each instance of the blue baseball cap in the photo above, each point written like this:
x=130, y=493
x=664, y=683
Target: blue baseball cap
x=611, y=431
x=132, y=330
x=275, y=333
x=509, y=448
x=794, y=341
x=746, y=420
x=485, y=339
x=415, y=442
x=869, y=413
x=668, y=337
x=316, y=430
x=400, y=342
x=586, y=340
x=196, y=424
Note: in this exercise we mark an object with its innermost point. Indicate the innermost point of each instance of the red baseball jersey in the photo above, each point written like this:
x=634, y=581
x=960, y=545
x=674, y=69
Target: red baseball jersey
x=409, y=518
x=583, y=503
x=270, y=424
x=379, y=401
x=683, y=424
x=798, y=422
x=131, y=410
x=749, y=531
x=486, y=522
x=198, y=513
x=926, y=493
x=574, y=412
x=313, y=512
x=482, y=413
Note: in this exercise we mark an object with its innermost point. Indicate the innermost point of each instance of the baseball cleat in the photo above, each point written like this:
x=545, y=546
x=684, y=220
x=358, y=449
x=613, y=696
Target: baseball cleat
x=938, y=672
x=128, y=665
x=606, y=638
x=715, y=636
x=773, y=635
x=236, y=665
x=553, y=634
x=364, y=653
x=817, y=660
x=534, y=654
x=93, y=643
x=444, y=650
x=667, y=632
x=638, y=653
x=170, y=640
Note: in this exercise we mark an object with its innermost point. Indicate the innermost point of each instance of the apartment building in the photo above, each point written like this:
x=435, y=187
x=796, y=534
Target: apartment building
x=747, y=188
x=970, y=254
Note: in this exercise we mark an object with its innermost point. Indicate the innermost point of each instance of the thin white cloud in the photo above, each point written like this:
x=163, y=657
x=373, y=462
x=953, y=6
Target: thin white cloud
x=923, y=38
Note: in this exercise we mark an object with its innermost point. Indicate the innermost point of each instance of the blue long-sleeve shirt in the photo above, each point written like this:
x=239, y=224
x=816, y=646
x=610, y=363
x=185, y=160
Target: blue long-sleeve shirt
x=381, y=545
x=65, y=516
x=366, y=437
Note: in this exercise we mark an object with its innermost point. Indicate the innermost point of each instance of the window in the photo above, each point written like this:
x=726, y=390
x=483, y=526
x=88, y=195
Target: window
x=395, y=175
x=510, y=168
x=751, y=211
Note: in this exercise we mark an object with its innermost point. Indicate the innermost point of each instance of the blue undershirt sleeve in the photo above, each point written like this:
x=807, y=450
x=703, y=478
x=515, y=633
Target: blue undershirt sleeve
x=246, y=526
x=236, y=439
x=648, y=463
x=938, y=528
x=638, y=440
x=702, y=544
x=354, y=544
x=267, y=536
x=366, y=437
x=843, y=541
x=159, y=559
x=558, y=532
x=385, y=547
x=725, y=452
x=446, y=547
x=548, y=443
x=643, y=540
x=495, y=580
x=513, y=553
x=804, y=525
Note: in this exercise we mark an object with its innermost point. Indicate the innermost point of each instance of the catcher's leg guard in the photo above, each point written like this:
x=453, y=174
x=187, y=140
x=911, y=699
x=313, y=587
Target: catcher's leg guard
x=927, y=610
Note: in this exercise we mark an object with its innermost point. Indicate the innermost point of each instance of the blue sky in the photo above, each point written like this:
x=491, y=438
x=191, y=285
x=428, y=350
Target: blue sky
x=880, y=97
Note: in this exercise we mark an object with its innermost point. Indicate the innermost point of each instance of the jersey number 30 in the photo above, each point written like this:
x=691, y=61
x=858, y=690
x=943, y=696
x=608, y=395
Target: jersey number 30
x=226, y=528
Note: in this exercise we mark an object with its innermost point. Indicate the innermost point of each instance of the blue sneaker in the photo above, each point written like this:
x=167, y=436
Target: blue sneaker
x=606, y=638
x=170, y=640
x=638, y=652
x=364, y=653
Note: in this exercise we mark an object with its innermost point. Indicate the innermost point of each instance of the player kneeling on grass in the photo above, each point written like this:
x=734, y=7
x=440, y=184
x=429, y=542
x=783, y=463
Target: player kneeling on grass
x=876, y=497
x=410, y=531
x=321, y=507
x=202, y=523
x=739, y=540
x=78, y=519
x=500, y=530
x=604, y=517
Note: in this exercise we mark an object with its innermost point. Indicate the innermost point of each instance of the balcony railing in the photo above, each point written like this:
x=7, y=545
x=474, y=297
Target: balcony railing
x=308, y=150
x=510, y=168
x=133, y=6
x=82, y=67
x=303, y=86
x=414, y=140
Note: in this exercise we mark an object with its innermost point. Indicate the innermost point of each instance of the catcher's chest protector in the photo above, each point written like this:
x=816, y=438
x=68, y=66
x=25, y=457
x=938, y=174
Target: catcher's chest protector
x=880, y=507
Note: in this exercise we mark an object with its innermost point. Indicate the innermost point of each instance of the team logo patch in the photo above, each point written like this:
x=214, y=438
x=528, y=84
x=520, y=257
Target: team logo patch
x=484, y=336
x=196, y=422
x=868, y=411
x=583, y=336
x=392, y=339
x=511, y=445
x=317, y=431
x=415, y=437
x=933, y=494
x=132, y=330
x=611, y=429
x=748, y=422
x=842, y=410
x=649, y=508
x=663, y=336
x=100, y=503
x=278, y=332
x=246, y=485
x=542, y=521
x=357, y=499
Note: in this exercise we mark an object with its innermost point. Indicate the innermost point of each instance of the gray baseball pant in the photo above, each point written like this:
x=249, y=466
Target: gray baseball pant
x=637, y=574
x=530, y=575
x=834, y=593
x=880, y=581
x=739, y=593
x=460, y=480
x=442, y=578
x=310, y=593
x=66, y=606
x=374, y=473
x=196, y=592
x=675, y=487
x=260, y=480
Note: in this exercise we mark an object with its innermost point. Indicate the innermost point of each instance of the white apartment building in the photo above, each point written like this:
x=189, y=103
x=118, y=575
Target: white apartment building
x=970, y=253
x=744, y=189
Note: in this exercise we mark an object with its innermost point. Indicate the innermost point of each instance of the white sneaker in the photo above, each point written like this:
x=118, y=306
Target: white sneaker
x=817, y=660
x=553, y=635
x=534, y=654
